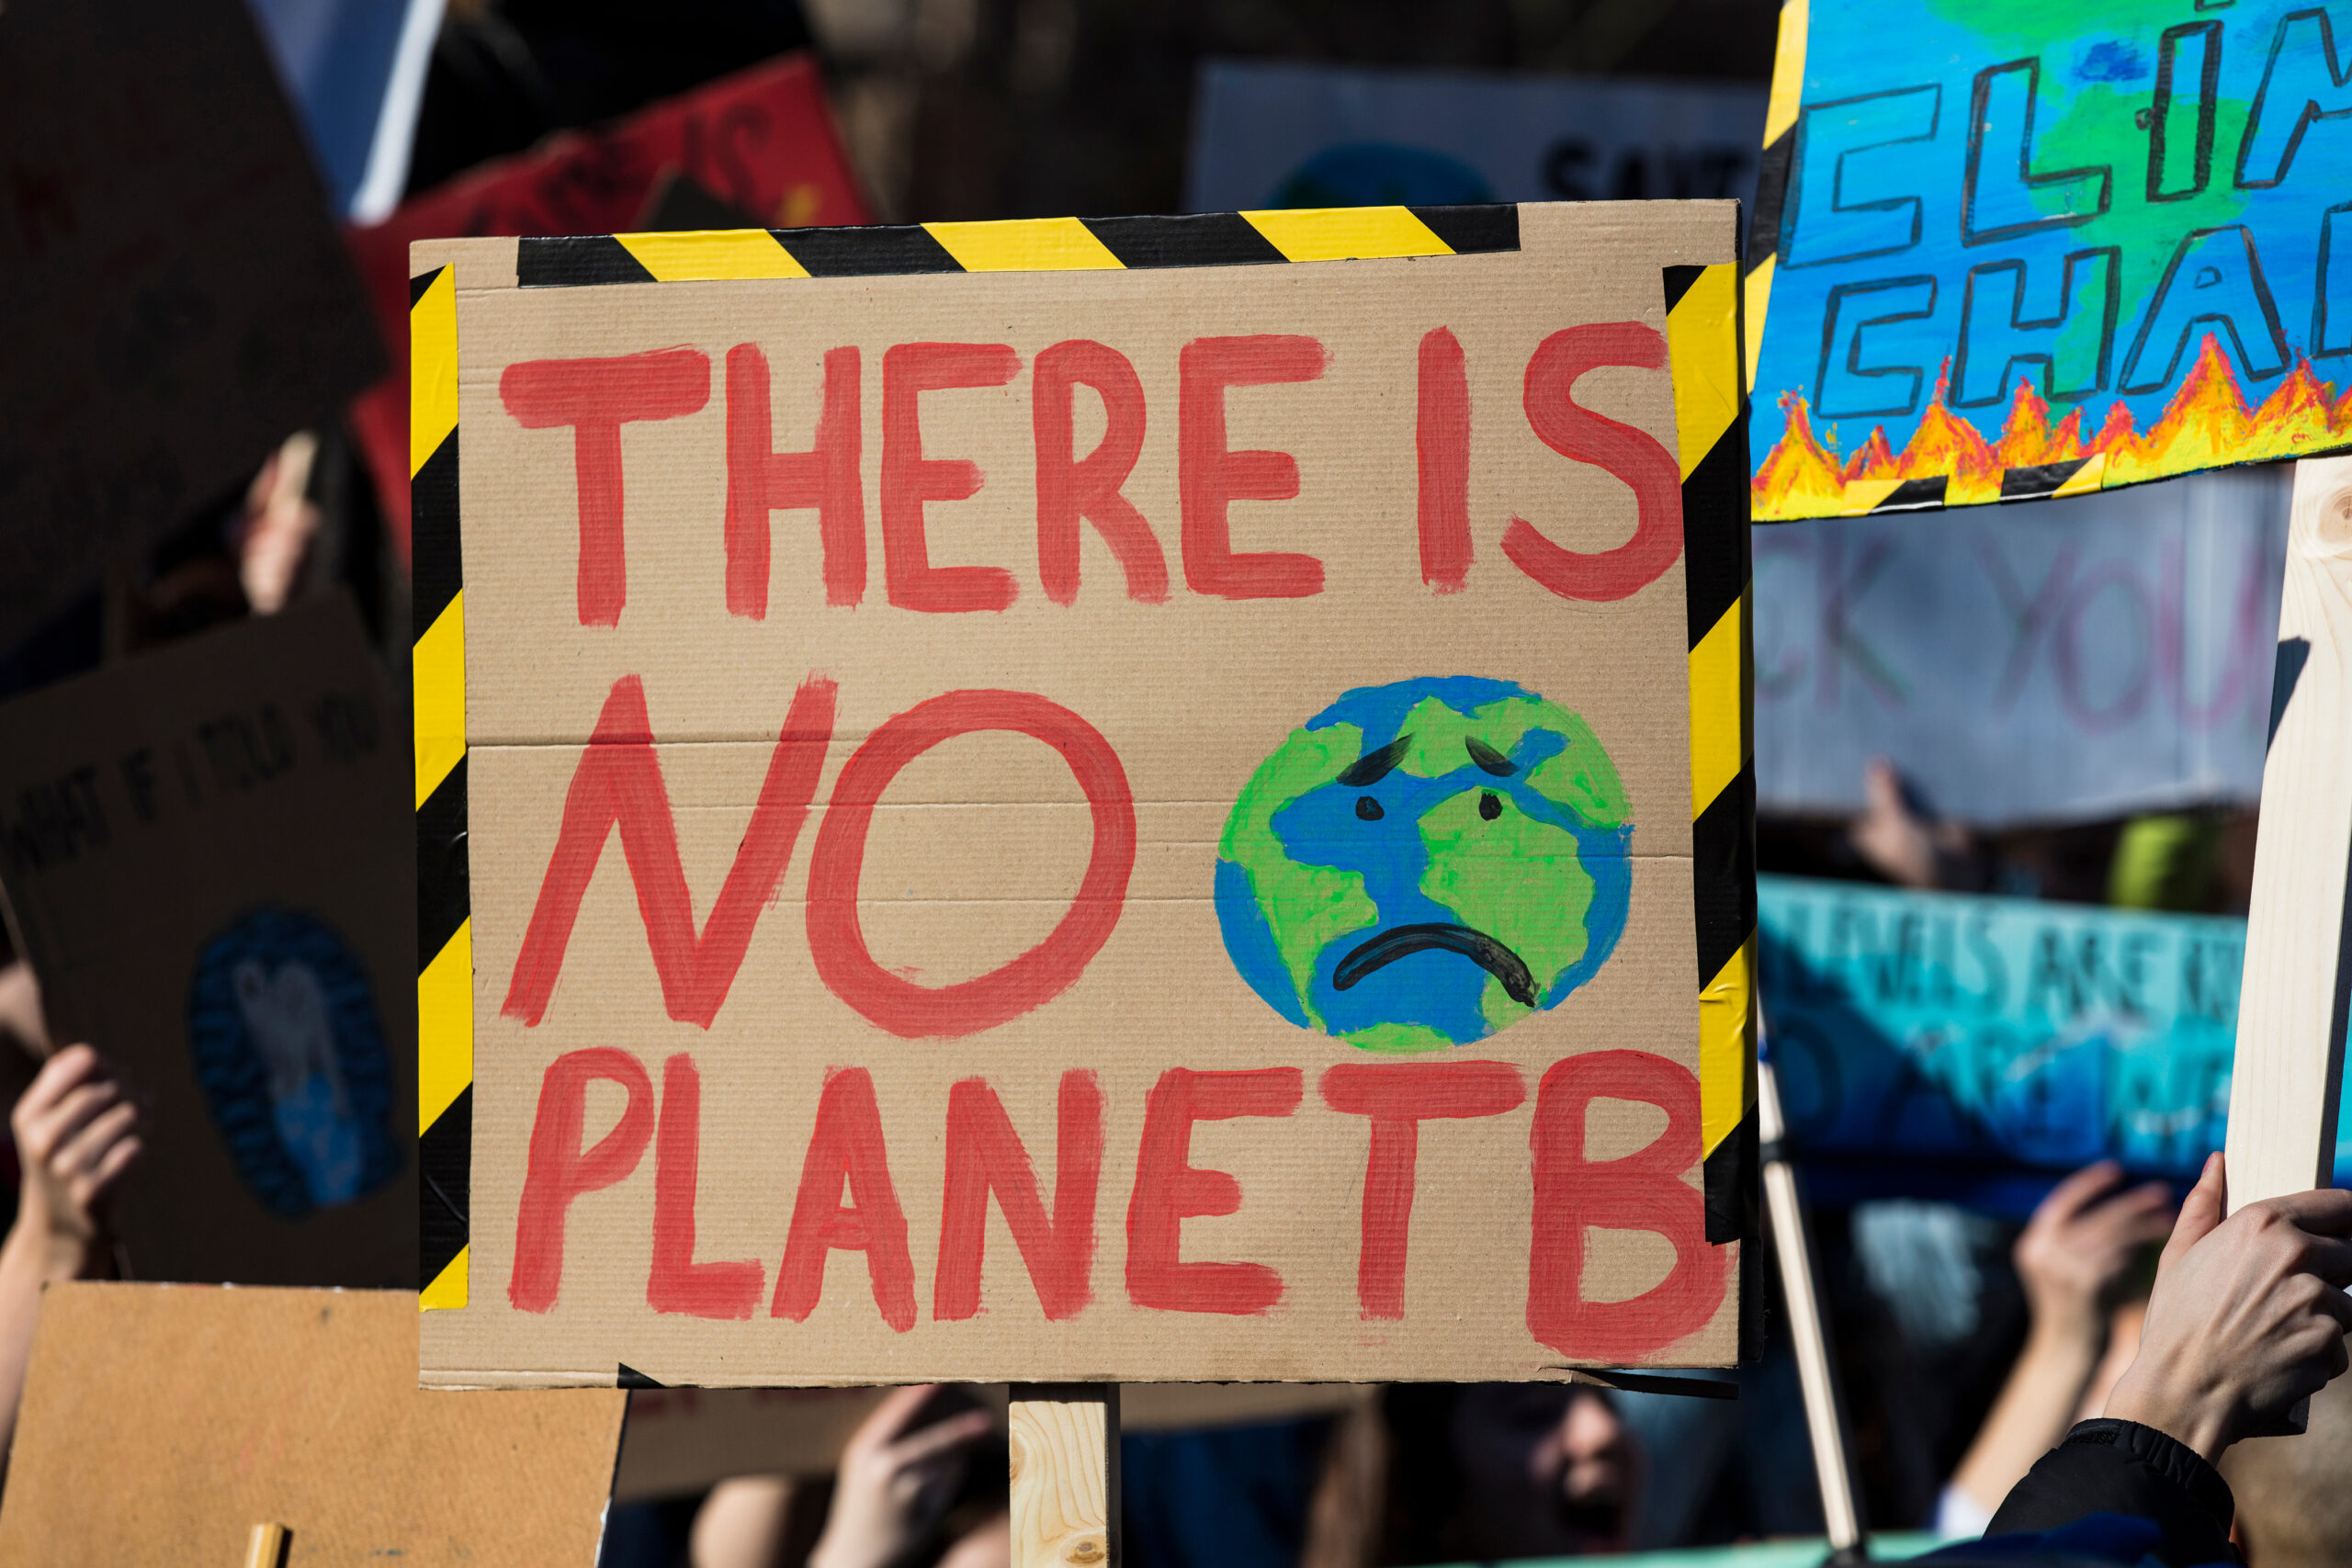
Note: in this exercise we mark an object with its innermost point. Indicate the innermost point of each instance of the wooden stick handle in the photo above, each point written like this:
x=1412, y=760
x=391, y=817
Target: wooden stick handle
x=1064, y=1440
x=266, y=1548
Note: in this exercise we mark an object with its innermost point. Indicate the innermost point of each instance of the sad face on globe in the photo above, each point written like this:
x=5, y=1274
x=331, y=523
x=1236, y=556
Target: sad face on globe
x=1426, y=862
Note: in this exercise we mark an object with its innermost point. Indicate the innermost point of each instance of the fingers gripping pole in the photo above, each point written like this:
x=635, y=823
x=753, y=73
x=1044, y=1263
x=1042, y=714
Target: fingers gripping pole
x=1064, y=1442
x=1824, y=1417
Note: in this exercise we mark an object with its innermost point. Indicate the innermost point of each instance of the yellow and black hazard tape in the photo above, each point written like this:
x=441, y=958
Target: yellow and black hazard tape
x=445, y=1026
x=1711, y=418
x=1037, y=245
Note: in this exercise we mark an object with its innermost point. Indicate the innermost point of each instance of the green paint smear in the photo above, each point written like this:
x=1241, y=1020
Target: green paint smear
x=1518, y=879
x=1306, y=906
x=1580, y=777
x=1398, y=1039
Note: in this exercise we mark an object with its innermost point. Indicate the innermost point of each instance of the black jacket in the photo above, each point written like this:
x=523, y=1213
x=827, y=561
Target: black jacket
x=2121, y=1467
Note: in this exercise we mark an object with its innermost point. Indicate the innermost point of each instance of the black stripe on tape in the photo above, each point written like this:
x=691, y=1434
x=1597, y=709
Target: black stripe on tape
x=1471, y=231
x=1679, y=280
x=878, y=250
x=1714, y=531
x=1915, y=494
x=1723, y=872
x=1731, y=1183
x=1203, y=239
x=445, y=1166
x=442, y=896
x=2043, y=479
x=568, y=261
x=1771, y=196
x=436, y=558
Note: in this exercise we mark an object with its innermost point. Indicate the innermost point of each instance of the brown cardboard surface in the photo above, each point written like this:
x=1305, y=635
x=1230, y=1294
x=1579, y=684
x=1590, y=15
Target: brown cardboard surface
x=981, y=843
x=207, y=860
x=178, y=300
x=161, y=1423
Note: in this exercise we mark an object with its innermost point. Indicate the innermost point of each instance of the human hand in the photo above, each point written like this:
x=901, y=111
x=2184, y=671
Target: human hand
x=1906, y=847
x=2080, y=1244
x=2247, y=1317
x=77, y=1133
x=893, y=1483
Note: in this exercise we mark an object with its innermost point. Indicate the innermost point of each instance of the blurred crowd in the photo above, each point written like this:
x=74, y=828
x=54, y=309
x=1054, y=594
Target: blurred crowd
x=1968, y=1349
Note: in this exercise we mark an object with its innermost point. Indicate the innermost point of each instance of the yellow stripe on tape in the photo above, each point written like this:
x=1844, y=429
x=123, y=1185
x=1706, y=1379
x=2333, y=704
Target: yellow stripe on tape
x=1028, y=244
x=1718, y=721
x=2084, y=478
x=1788, y=72
x=699, y=256
x=438, y=677
x=1861, y=495
x=1724, y=1081
x=433, y=369
x=444, y=1027
x=1759, y=288
x=1703, y=346
x=448, y=1287
x=1347, y=233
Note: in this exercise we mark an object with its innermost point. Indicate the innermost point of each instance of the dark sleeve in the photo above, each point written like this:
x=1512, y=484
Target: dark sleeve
x=2121, y=1467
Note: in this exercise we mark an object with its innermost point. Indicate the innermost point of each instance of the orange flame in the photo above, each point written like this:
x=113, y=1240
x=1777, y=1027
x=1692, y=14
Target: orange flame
x=2206, y=425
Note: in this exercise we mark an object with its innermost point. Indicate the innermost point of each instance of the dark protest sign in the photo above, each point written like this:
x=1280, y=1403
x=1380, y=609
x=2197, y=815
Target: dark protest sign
x=177, y=301
x=757, y=145
x=2079, y=658
x=1948, y=1045
x=2010, y=250
x=206, y=857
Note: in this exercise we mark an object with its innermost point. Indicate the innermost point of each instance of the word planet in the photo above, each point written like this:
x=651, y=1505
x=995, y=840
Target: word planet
x=1426, y=862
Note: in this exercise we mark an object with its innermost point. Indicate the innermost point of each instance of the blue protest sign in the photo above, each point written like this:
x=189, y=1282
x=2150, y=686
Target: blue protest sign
x=1948, y=1045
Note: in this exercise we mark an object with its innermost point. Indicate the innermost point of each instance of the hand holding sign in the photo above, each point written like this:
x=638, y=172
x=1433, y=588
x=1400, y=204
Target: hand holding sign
x=2248, y=1316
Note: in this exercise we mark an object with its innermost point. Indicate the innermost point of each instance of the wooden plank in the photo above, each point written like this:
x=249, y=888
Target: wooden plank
x=1065, y=1474
x=1824, y=1417
x=2291, y=1003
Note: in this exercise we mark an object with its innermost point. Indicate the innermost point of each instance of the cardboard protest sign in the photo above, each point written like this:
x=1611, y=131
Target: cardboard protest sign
x=2078, y=659
x=2010, y=252
x=1950, y=1045
x=1065, y=823
x=1279, y=133
x=759, y=142
x=178, y=302
x=162, y=1423
x=205, y=860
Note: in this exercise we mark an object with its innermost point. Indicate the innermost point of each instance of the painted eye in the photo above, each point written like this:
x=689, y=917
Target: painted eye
x=1488, y=806
x=1368, y=809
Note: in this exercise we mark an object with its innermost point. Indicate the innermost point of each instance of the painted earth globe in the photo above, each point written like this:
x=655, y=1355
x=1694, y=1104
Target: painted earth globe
x=1426, y=862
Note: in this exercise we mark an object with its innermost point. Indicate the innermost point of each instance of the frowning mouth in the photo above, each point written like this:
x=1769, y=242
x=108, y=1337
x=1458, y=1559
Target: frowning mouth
x=1401, y=941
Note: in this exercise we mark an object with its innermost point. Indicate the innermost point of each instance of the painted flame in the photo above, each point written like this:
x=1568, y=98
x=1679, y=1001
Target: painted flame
x=2206, y=425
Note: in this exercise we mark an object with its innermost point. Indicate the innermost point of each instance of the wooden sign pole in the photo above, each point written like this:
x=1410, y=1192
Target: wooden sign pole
x=1824, y=1417
x=1064, y=1442
x=2291, y=1002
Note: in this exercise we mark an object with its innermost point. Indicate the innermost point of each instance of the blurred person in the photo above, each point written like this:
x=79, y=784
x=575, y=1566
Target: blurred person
x=894, y=1502
x=2247, y=1317
x=2294, y=1494
x=1493, y=1471
x=2075, y=1259
x=77, y=1133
